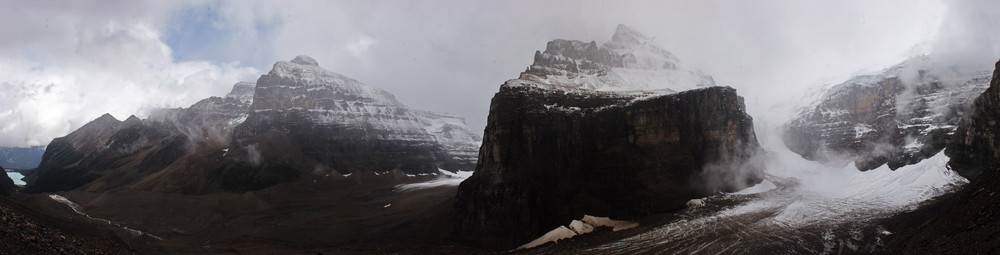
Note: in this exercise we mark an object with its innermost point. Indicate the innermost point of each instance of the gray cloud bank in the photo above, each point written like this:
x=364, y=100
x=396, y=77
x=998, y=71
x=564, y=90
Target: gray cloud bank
x=63, y=64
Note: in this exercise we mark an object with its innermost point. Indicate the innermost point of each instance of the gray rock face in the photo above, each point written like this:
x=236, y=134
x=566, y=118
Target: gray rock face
x=307, y=120
x=975, y=146
x=243, y=91
x=555, y=150
x=899, y=117
x=454, y=135
x=631, y=61
x=966, y=222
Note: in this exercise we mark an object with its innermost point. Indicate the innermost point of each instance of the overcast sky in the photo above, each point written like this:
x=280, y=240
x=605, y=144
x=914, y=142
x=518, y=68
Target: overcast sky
x=64, y=63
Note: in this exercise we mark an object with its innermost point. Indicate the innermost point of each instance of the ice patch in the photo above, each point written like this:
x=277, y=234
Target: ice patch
x=832, y=195
x=761, y=187
x=810, y=196
x=560, y=233
x=445, y=179
x=616, y=225
x=580, y=227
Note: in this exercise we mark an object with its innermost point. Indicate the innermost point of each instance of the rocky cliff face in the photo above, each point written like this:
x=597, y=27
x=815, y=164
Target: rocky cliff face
x=967, y=221
x=903, y=115
x=6, y=184
x=554, y=150
x=454, y=135
x=976, y=144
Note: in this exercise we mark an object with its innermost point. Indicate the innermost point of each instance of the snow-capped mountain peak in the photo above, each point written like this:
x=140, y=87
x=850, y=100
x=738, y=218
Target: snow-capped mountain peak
x=628, y=35
x=307, y=97
x=305, y=60
x=304, y=84
x=631, y=61
x=639, y=51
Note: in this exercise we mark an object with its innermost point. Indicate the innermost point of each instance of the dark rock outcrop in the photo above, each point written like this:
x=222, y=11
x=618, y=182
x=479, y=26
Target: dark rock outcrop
x=976, y=144
x=551, y=157
x=6, y=184
x=69, y=161
x=555, y=150
x=899, y=117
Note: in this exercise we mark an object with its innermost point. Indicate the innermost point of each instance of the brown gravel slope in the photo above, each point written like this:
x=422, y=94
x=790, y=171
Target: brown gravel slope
x=24, y=230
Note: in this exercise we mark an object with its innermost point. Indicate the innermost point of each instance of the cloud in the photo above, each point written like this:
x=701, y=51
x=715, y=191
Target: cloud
x=455, y=58
x=448, y=56
x=969, y=34
x=87, y=65
x=360, y=46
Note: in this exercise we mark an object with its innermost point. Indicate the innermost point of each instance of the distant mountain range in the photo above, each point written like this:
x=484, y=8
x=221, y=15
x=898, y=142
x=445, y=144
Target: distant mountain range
x=21, y=158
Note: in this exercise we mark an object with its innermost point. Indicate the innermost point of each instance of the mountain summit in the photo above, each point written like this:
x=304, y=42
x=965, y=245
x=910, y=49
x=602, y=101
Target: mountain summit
x=590, y=130
x=305, y=60
x=631, y=61
x=308, y=120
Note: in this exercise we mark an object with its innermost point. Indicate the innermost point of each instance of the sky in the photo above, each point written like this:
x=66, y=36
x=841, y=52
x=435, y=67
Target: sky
x=63, y=64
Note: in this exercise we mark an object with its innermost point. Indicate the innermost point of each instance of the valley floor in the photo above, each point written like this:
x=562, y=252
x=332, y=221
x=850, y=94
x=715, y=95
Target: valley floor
x=802, y=208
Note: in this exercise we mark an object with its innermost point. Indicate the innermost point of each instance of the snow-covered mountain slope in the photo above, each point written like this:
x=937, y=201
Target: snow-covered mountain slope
x=631, y=61
x=305, y=120
x=899, y=116
x=210, y=118
x=243, y=91
x=297, y=120
x=302, y=88
x=454, y=134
